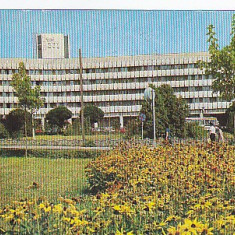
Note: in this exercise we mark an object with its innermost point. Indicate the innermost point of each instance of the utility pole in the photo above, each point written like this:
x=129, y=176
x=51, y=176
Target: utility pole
x=154, y=118
x=81, y=90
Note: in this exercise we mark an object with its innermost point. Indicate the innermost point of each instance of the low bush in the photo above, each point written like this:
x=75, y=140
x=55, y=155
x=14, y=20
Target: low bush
x=52, y=153
x=193, y=130
x=89, y=143
x=3, y=132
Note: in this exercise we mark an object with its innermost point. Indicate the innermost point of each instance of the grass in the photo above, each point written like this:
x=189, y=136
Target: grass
x=54, y=177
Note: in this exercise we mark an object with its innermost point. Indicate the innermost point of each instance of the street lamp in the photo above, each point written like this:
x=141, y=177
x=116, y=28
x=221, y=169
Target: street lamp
x=149, y=94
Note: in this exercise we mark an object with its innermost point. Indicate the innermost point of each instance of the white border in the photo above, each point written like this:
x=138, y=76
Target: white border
x=121, y=4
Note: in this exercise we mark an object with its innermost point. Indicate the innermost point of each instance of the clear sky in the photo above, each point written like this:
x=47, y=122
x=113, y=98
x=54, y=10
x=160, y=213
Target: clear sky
x=112, y=32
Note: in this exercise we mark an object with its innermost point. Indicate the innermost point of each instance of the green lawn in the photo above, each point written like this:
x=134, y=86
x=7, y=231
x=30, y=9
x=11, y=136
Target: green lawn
x=55, y=177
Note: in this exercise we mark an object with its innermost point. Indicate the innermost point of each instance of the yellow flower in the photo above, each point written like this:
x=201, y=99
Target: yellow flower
x=206, y=230
x=172, y=218
x=41, y=206
x=123, y=209
x=76, y=222
x=58, y=209
x=122, y=233
x=47, y=209
x=66, y=219
x=119, y=232
x=174, y=231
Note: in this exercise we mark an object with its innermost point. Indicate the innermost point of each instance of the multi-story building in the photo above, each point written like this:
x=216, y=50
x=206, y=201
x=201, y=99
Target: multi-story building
x=115, y=84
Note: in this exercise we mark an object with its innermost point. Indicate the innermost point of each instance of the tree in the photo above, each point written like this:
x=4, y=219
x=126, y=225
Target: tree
x=221, y=66
x=93, y=113
x=170, y=111
x=14, y=122
x=58, y=117
x=28, y=97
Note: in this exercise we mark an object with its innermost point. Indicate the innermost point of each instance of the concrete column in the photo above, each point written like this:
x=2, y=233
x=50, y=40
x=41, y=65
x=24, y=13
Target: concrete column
x=121, y=121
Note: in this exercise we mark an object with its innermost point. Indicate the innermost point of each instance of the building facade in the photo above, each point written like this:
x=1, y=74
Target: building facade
x=115, y=84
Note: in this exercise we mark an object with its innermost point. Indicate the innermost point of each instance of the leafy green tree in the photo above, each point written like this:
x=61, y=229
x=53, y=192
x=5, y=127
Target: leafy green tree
x=28, y=96
x=14, y=122
x=221, y=66
x=57, y=117
x=93, y=113
x=169, y=111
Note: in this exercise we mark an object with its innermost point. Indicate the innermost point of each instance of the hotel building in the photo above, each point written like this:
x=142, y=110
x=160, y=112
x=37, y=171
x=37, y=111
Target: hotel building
x=115, y=84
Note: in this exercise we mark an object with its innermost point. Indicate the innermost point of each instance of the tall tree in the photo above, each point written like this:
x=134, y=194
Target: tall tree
x=170, y=112
x=221, y=66
x=28, y=96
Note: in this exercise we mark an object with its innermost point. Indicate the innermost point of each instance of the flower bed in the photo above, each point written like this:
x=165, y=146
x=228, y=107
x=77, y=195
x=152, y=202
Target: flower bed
x=177, y=189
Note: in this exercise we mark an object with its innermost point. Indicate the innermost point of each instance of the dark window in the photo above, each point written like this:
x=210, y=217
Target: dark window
x=39, y=46
x=66, y=47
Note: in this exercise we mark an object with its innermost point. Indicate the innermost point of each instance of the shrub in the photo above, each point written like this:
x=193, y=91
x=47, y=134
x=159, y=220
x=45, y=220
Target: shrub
x=144, y=166
x=52, y=153
x=74, y=128
x=14, y=123
x=89, y=143
x=133, y=128
x=193, y=130
x=3, y=132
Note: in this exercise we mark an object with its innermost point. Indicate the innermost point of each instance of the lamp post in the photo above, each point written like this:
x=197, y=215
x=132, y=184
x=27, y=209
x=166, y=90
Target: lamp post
x=149, y=94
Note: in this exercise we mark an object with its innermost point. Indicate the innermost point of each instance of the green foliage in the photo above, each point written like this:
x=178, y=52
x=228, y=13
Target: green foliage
x=170, y=111
x=193, y=130
x=3, y=131
x=74, y=128
x=222, y=64
x=93, y=113
x=57, y=117
x=28, y=96
x=133, y=127
x=54, y=154
x=230, y=120
x=15, y=123
x=89, y=143
x=116, y=123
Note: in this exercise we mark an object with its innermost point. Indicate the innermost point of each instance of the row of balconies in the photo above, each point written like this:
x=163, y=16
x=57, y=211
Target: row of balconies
x=103, y=98
x=117, y=86
x=205, y=106
x=112, y=75
x=132, y=108
x=104, y=62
